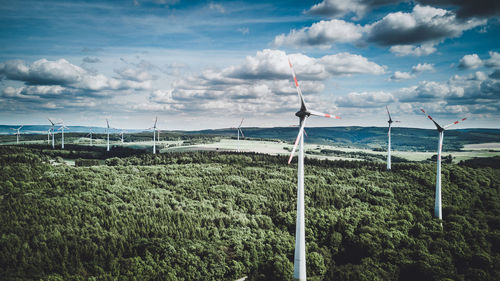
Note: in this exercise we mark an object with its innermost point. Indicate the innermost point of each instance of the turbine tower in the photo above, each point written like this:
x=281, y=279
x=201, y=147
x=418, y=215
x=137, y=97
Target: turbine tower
x=90, y=134
x=154, y=135
x=48, y=137
x=52, y=129
x=389, y=141
x=299, y=263
x=107, y=132
x=240, y=131
x=437, y=201
x=62, y=131
x=121, y=134
x=17, y=133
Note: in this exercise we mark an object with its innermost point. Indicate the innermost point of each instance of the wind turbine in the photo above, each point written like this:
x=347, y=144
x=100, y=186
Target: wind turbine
x=299, y=263
x=437, y=201
x=154, y=135
x=121, y=134
x=90, y=134
x=62, y=131
x=17, y=133
x=389, y=136
x=240, y=131
x=107, y=132
x=52, y=129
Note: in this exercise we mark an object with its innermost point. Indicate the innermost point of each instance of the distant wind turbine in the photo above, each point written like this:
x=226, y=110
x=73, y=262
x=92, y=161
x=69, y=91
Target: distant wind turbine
x=121, y=134
x=107, y=132
x=389, y=136
x=62, y=131
x=154, y=134
x=240, y=131
x=17, y=133
x=52, y=129
x=299, y=264
x=90, y=134
x=437, y=201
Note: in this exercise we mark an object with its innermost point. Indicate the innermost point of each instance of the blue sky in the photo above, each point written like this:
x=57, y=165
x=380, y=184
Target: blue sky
x=207, y=64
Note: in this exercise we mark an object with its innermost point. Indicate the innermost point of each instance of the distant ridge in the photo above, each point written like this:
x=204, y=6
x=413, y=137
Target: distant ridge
x=364, y=137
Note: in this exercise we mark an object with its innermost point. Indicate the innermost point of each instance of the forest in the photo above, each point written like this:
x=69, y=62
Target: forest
x=129, y=215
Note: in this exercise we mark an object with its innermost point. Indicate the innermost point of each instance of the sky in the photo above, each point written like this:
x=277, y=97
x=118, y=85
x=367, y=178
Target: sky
x=208, y=64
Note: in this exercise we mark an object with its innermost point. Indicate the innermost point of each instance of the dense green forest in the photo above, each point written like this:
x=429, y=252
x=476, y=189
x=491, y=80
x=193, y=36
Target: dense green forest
x=222, y=216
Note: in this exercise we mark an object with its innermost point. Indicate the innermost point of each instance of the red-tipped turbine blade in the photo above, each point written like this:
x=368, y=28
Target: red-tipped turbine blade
x=388, y=112
x=241, y=122
x=299, y=92
x=297, y=140
x=456, y=122
x=428, y=116
x=317, y=113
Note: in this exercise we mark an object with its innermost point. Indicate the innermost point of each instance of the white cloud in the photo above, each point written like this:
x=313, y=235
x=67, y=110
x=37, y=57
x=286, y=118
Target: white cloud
x=365, y=99
x=63, y=73
x=402, y=31
x=421, y=67
x=470, y=62
x=398, y=75
x=321, y=34
x=494, y=60
x=411, y=50
x=339, y=8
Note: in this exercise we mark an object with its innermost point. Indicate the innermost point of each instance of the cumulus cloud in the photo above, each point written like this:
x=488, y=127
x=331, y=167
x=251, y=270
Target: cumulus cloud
x=464, y=8
x=424, y=25
x=421, y=67
x=470, y=62
x=262, y=83
x=134, y=74
x=467, y=8
x=63, y=73
x=339, y=8
x=398, y=75
x=411, y=50
x=494, y=60
x=321, y=34
x=365, y=99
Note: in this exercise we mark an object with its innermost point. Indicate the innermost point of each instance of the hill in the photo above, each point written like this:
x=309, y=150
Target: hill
x=405, y=139
x=222, y=216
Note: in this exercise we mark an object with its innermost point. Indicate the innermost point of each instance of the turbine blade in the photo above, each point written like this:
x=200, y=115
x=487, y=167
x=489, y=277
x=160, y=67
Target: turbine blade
x=51, y=121
x=107, y=123
x=242, y=133
x=388, y=113
x=456, y=122
x=428, y=116
x=155, y=122
x=317, y=113
x=299, y=92
x=241, y=122
x=297, y=140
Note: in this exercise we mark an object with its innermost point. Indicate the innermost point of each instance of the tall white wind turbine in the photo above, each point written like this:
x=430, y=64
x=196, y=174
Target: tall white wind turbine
x=52, y=129
x=107, y=132
x=299, y=263
x=154, y=135
x=437, y=201
x=62, y=131
x=240, y=131
x=17, y=133
x=389, y=141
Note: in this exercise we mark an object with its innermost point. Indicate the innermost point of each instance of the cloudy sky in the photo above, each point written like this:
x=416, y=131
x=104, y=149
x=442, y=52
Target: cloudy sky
x=207, y=64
